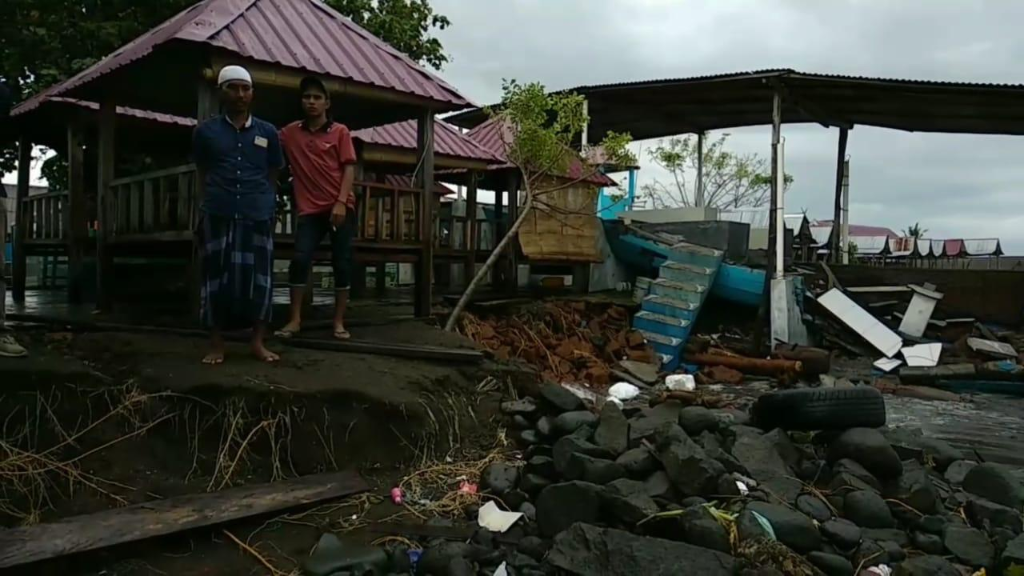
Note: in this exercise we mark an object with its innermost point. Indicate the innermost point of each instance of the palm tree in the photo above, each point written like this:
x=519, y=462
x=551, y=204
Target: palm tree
x=915, y=231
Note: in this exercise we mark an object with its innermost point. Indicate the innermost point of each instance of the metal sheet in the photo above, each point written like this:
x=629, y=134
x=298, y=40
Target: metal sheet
x=447, y=140
x=992, y=348
x=860, y=321
x=922, y=354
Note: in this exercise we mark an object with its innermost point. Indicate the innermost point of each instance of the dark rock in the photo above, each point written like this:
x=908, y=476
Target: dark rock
x=958, y=470
x=869, y=553
x=927, y=543
x=926, y=566
x=813, y=507
x=851, y=467
x=932, y=524
x=499, y=478
x=638, y=462
x=912, y=444
x=988, y=515
x=436, y=559
x=726, y=460
x=868, y=448
x=561, y=505
x=700, y=528
x=483, y=537
x=759, y=455
x=538, y=450
x=727, y=487
x=709, y=441
x=914, y=488
x=569, y=445
x=546, y=427
x=791, y=528
x=810, y=470
x=642, y=371
x=612, y=430
x=1012, y=555
x=514, y=498
x=528, y=510
x=533, y=547
x=333, y=555
x=843, y=483
x=520, y=561
x=521, y=423
x=728, y=417
x=1001, y=538
x=893, y=551
x=831, y=564
x=692, y=472
x=867, y=510
x=697, y=419
x=659, y=485
x=970, y=546
x=844, y=534
x=460, y=567
x=569, y=422
x=749, y=528
x=626, y=501
x=523, y=407
x=692, y=501
x=529, y=437
x=541, y=466
x=644, y=425
x=887, y=535
x=560, y=399
x=585, y=550
x=994, y=482
x=667, y=435
x=532, y=484
x=590, y=469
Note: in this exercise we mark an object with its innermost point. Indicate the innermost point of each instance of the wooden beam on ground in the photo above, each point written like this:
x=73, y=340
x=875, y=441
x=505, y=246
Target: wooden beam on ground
x=107, y=120
x=19, y=546
x=20, y=264
x=76, y=218
x=425, y=181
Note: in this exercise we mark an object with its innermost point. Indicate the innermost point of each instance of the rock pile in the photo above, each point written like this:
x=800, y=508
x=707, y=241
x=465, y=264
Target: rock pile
x=689, y=490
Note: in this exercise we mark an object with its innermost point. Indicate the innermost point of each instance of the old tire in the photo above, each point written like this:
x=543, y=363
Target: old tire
x=821, y=409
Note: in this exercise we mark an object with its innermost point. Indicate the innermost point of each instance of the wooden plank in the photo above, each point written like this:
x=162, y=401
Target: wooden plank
x=182, y=199
x=425, y=269
x=77, y=534
x=55, y=224
x=107, y=120
x=163, y=190
x=183, y=169
x=470, y=230
x=19, y=269
x=148, y=218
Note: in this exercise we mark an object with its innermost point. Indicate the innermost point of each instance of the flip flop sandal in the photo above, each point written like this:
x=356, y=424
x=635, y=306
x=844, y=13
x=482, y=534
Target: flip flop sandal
x=342, y=335
x=285, y=334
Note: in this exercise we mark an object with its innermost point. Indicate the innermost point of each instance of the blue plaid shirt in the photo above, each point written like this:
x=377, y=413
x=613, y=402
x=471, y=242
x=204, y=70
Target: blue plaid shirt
x=237, y=164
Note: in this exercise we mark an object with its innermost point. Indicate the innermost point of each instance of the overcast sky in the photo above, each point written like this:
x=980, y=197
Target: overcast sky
x=954, y=185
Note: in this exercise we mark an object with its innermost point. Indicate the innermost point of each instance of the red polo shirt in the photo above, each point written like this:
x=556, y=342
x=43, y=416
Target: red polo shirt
x=317, y=161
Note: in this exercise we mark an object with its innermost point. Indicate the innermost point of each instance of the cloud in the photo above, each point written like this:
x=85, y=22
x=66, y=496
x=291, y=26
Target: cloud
x=954, y=185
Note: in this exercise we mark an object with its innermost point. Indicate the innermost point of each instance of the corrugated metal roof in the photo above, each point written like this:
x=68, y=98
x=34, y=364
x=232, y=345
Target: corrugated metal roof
x=871, y=245
x=983, y=247
x=493, y=135
x=448, y=140
x=302, y=34
x=399, y=181
x=122, y=110
x=903, y=246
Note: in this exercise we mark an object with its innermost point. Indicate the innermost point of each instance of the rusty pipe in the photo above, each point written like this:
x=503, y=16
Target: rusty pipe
x=760, y=366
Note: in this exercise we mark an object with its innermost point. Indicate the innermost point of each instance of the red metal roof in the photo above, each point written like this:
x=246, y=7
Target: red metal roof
x=122, y=110
x=860, y=230
x=493, y=135
x=400, y=181
x=303, y=34
x=448, y=140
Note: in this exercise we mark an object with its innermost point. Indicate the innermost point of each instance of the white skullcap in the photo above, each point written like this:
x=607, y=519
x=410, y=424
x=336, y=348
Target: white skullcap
x=234, y=74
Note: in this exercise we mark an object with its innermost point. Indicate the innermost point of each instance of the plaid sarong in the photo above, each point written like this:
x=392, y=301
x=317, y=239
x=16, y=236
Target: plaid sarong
x=237, y=289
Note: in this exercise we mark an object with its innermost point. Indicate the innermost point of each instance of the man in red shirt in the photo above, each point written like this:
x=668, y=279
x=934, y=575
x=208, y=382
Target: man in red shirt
x=322, y=161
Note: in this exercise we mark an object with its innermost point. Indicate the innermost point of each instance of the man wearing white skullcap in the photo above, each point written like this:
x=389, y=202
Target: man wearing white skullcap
x=238, y=158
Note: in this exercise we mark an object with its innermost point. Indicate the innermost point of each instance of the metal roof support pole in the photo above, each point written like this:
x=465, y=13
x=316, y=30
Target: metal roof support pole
x=844, y=231
x=837, y=215
x=425, y=269
x=105, y=202
x=773, y=231
x=19, y=266
x=699, y=196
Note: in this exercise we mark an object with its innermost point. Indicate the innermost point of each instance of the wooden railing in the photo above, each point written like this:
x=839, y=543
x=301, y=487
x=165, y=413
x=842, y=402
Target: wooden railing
x=154, y=202
x=385, y=214
x=45, y=217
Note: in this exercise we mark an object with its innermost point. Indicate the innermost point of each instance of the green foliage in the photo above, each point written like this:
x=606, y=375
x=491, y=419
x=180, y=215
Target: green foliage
x=45, y=41
x=731, y=180
x=540, y=130
x=915, y=231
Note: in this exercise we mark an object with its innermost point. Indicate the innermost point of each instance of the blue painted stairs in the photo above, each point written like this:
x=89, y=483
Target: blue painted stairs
x=673, y=300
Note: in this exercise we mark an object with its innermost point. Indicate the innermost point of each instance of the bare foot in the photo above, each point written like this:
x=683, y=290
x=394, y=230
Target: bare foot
x=214, y=357
x=261, y=352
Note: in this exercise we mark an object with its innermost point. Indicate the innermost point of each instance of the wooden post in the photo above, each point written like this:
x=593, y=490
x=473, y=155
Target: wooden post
x=498, y=272
x=762, y=313
x=512, y=257
x=469, y=230
x=20, y=264
x=837, y=225
x=425, y=180
x=76, y=216
x=699, y=195
x=107, y=120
